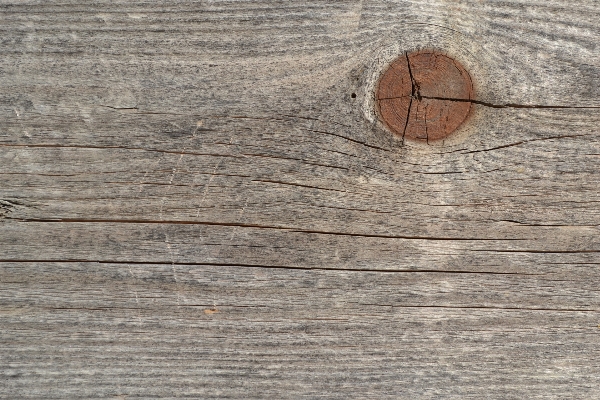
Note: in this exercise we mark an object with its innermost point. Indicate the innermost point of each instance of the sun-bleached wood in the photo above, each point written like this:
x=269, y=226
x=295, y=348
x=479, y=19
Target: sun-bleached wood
x=199, y=200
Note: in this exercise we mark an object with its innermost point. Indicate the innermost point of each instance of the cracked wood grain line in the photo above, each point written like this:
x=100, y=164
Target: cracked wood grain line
x=385, y=271
x=290, y=229
x=512, y=105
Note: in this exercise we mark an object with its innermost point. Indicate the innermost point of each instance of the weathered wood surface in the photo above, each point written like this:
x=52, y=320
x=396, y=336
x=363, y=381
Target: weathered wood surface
x=192, y=203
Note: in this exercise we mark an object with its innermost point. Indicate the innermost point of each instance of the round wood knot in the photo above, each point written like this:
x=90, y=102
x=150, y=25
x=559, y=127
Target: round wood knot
x=424, y=96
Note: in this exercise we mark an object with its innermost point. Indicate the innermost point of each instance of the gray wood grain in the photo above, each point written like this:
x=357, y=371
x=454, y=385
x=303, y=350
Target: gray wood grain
x=193, y=204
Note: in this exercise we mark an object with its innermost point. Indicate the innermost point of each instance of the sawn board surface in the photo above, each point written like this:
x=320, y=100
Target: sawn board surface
x=197, y=200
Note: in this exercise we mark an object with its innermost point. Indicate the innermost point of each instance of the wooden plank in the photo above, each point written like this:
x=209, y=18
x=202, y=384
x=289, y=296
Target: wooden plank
x=198, y=200
x=140, y=329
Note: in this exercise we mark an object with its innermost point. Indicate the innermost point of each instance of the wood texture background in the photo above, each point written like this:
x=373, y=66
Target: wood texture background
x=193, y=204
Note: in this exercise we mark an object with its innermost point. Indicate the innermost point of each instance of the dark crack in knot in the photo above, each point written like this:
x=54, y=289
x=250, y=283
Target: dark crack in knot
x=424, y=96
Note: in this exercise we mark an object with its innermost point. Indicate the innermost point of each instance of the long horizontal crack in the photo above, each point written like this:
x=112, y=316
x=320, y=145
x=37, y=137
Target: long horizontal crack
x=537, y=251
x=486, y=308
x=92, y=147
x=119, y=108
x=523, y=142
x=221, y=306
x=297, y=184
x=108, y=308
x=349, y=139
x=543, y=225
x=509, y=105
x=257, y=226
x=292, y=267
x=492, y=105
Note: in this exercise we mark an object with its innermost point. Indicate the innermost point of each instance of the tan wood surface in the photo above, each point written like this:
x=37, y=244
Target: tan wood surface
x=197, y=200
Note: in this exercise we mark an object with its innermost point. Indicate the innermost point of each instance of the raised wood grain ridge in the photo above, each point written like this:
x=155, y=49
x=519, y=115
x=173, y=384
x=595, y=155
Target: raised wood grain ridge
x=197, y=199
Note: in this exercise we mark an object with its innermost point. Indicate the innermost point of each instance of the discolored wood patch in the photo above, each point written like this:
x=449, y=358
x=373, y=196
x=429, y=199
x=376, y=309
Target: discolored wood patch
x=424, y=96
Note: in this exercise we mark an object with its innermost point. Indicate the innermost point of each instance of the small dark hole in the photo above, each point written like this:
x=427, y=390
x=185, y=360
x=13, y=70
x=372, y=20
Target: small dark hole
x=353, y=95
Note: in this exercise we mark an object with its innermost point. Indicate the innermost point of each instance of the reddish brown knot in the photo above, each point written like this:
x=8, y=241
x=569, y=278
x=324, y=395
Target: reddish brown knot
x=424, y=96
